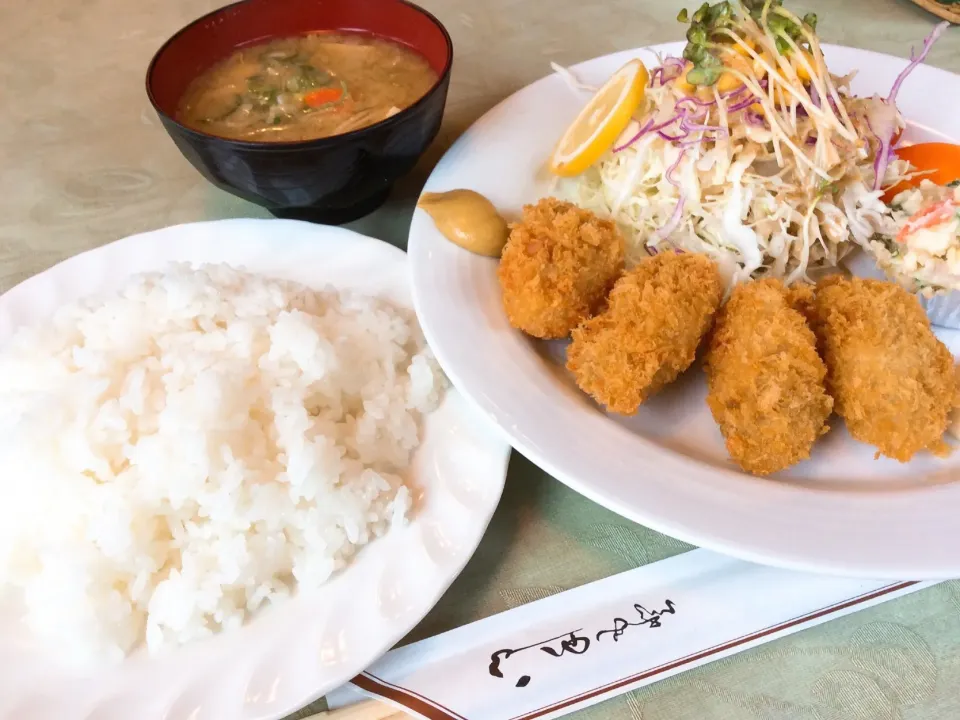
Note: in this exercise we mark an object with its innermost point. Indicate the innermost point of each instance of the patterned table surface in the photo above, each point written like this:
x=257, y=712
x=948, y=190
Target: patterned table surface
x=85, y=161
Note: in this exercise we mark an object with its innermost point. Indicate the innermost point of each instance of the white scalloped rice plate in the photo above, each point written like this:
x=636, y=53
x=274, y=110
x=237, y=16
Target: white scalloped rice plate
x=666, y=467
x=293, y=653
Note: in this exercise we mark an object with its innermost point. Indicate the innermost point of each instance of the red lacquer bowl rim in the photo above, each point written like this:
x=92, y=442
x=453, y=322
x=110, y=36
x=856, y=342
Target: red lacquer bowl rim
x=299, y=144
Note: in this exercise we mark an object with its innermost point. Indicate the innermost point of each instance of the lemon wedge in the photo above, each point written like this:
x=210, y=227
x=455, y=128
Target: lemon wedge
x=600, y=123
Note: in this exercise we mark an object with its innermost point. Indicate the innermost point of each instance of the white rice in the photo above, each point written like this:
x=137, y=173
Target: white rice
x=176, y=455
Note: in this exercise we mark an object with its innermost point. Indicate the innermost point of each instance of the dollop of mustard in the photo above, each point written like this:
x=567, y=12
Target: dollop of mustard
x=468, y=219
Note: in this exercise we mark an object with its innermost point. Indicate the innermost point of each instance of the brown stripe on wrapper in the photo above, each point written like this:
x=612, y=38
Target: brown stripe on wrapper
x=404, y=698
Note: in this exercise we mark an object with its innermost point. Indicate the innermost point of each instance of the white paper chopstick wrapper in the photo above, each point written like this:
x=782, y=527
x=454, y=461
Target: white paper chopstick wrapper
x=579, y=647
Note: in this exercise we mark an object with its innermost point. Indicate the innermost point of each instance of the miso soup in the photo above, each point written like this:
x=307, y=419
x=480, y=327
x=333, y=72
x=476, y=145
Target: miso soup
x=306, y=87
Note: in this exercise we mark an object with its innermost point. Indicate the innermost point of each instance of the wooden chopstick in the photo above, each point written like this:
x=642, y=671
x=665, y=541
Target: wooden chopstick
x=367, y=710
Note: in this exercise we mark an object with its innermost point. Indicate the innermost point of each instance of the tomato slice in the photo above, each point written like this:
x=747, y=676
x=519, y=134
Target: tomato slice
x=928, y=217
x=941, y=160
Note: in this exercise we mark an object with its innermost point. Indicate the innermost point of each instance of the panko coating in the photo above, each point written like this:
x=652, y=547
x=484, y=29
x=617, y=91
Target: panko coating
x=801, y=297
x=765, y=378
x=892, y=379
x=656, y=316
x=557, y=268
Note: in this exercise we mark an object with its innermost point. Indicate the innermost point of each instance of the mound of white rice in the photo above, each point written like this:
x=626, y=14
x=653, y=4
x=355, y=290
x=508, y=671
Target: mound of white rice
x=176, y=455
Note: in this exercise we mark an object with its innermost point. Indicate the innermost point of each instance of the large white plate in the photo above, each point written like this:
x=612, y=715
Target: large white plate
x=293, y=653
x=667, y=468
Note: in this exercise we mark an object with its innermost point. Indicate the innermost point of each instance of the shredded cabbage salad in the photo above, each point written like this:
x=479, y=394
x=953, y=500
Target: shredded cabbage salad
x=749, y=150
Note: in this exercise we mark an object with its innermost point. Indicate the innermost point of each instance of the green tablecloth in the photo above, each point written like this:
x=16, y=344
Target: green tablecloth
x=85, y=161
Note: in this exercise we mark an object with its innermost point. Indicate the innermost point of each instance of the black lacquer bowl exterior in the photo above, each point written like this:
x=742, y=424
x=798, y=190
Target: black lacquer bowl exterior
x=329, y=180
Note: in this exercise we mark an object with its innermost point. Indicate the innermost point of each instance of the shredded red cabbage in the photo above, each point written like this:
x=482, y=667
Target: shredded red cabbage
x=671, y=69
x=686, y=128
x=644, y=129
x=697, y=103
x=671, y=224
x=885, y=116
x=818, y=102
x=754, y=118
x=916, y=60
x=690, y=127
x=881, y=127
x=700, y=104
x=673, y=138
x=660, y=75
x=673, y=168
x=741, y=104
